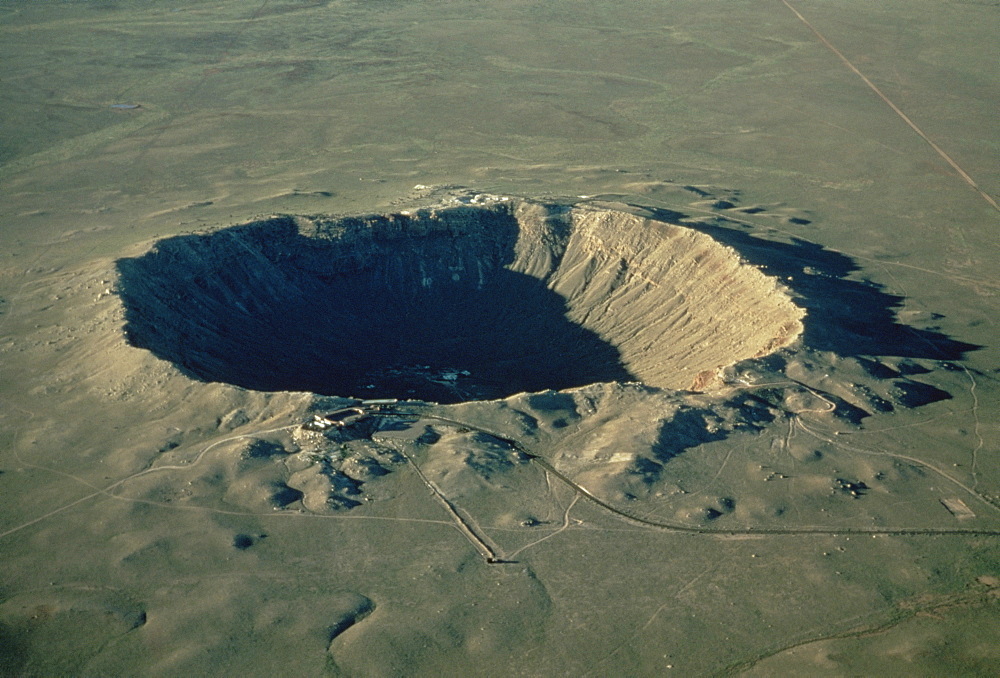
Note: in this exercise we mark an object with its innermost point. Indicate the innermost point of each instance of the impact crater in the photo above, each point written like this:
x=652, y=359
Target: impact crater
x=453, y=303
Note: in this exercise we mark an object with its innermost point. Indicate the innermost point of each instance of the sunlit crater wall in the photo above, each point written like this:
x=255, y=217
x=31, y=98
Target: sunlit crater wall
x=676, y=303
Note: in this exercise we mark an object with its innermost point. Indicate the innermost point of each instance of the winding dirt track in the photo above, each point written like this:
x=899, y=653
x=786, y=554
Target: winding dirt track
x=675, y=527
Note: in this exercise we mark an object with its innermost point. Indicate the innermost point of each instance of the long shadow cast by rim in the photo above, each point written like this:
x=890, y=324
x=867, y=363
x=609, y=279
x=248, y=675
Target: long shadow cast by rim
x=849, y=317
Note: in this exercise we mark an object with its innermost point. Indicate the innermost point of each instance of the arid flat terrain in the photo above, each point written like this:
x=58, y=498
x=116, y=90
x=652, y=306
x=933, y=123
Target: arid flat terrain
x=458, y=338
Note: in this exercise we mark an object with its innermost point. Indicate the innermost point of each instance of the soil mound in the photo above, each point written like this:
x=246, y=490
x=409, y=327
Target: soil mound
x=455, y=303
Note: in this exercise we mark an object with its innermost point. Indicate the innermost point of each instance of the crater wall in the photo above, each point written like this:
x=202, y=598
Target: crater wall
x=453, y=303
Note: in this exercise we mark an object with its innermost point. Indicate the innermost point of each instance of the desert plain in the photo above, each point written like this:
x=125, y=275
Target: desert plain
x=453, y=338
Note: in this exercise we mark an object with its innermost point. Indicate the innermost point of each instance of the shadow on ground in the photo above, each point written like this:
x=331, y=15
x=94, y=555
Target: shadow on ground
x=848, y=317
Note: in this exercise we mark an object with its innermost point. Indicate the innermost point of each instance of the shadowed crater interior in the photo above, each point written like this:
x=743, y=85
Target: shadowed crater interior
x=452, y=303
